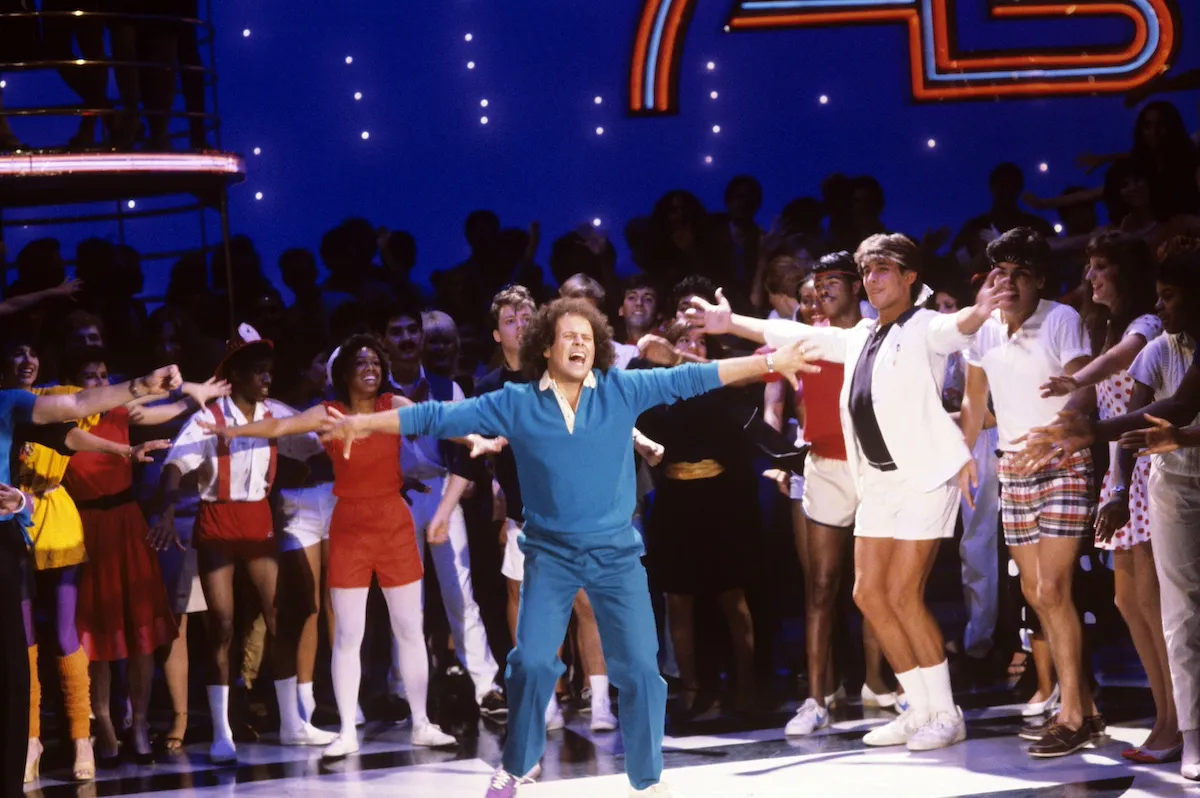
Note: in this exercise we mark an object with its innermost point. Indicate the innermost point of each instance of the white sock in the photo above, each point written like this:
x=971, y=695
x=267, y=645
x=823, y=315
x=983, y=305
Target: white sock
x=308, y=702
x=599, y=685
x=914, y=690
x=289, y=707
x=218, y=707
x=937, y=688
x=552, y=708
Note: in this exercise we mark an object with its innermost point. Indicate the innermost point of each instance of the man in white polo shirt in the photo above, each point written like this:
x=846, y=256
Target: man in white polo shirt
x=909, y=459
x=1046, y=514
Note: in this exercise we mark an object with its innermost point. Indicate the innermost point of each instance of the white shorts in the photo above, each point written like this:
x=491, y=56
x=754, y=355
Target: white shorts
x=891, y=508
x=830, y=495
x=513, y=566
x=305, y=514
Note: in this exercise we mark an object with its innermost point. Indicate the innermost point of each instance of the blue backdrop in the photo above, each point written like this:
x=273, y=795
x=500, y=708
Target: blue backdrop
x=413, y=153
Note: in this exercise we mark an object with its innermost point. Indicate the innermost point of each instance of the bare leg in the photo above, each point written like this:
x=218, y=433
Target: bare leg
x=911, y=564
x=175, y=671
x=217, y=582
x=139, y=673
x=824, y=575
x=873, y=558
x=680, y=609
x=741, y=630
x=1146, y=577
x=1130, y=604
x=106, y=734
x=873, y=660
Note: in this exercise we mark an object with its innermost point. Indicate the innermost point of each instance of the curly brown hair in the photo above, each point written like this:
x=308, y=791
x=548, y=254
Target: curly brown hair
x=342, y=368
x=542, y=331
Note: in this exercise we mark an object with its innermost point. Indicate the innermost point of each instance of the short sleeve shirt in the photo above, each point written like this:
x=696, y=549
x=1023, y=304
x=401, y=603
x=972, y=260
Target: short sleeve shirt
x=1017, y=365
x=1161, y=366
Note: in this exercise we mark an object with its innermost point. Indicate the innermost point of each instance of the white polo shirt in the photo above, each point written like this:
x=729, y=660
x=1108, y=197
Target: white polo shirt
x=1017, y=366
x=1161, y=365
x=249, y=458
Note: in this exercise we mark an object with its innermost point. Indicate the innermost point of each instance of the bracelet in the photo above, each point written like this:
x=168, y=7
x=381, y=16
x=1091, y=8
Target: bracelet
x=771, y=363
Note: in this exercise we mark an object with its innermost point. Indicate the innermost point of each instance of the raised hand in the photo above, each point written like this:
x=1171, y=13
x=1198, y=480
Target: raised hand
x=1159, y=438
x=141, y=453
x=68, y=287
x=1059, y=386
x=793, y=359
x=160, y=381
x=225, y=432
x=657, y=350
x=204, y=392
x=996, y=288
x=713, y=319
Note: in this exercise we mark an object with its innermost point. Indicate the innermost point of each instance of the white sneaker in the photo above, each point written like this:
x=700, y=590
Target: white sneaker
x=554, y=718
x=836, y=696
x=344, y=745
x=902, y=704
x=603, y=719
x=307, y=734
x=808, y=719
x=874, y=700
x=1035, y=708
x=222, y=752
x=662, y=790
x=898, y=731
x=429, y=735
x=943, y=729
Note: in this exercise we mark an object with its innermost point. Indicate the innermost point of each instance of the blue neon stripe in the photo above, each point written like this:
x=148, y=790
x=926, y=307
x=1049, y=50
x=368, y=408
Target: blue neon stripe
x=1153, y=35
x=766, y=5
x=652, y=53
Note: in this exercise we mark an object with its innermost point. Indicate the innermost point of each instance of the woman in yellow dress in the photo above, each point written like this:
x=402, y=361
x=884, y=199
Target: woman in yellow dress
x=56, y=544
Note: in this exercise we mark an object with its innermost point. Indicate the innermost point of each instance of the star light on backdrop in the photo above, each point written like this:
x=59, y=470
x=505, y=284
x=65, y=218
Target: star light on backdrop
x=712, y=95
x=349, y=59
x=468, y=37
x=1043, y=167
x=246, y=33
x=598, y=99
x=596, y=222
x=358, y=95
x=3, y=84
x=483, y=103
x=366, y=135
x=258, y=195
x=483, y=120
x=599, y=131
x=710, y=66
x=131, y=204
x=1058, y=228
x=708, y=159
x=716, y=128
x=470, y=65
x=931, y=143
x=258, y=150
x=823, y=99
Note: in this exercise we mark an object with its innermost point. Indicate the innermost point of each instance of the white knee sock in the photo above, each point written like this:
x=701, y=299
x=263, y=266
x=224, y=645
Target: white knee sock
x=307, y=701
x=290, y=721
x=914, y=690
x=937, y=687
x=350, y=612
x=599, y=685
x=218, y=707
x=408, y=626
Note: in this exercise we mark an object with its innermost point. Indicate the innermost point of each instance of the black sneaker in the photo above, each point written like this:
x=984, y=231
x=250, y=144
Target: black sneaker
x=1062, y=740
x=494, y=706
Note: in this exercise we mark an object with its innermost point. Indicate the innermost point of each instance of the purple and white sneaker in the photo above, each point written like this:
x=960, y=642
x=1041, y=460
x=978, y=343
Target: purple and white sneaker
x=505, y=784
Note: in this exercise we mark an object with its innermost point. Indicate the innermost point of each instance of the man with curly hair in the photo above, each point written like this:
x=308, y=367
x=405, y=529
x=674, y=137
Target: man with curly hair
x=569, y=430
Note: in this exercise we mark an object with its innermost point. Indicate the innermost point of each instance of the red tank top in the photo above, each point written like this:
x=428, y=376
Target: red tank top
x=821, y=399
x=92, y=475
x=373, y=468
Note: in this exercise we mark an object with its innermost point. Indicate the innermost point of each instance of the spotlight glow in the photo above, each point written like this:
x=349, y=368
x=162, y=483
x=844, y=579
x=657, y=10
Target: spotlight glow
x=823, y=99
x=483, y=103
x=3, y=84
x=713, y=95
x=258, y=150
x=710, y=66
x=596, y=222
x=716, y=128
x=246, y=33
x=1043, y=167
x=358, y=95
x=599, y=131
x=470, y=65
x=468, y=37
x=366, y=135
x=1058, y=228
x=598, y=99
x=483, y=120
x=349, y=59
x=708, y=159
x=931, y=143
x=258, y=195
x=131, y=204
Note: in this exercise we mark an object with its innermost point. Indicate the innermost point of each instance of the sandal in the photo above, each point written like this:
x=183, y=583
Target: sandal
x=85, y=767
x=1017, y=668
x=172, y=742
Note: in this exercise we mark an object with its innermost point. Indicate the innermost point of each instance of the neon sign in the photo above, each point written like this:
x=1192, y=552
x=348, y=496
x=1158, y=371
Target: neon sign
x=939, y=70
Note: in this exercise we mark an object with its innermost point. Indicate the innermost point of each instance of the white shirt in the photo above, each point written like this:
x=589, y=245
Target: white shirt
x=1017, y=366
x=622, y=354
x=548, y=384
x=421, y=458
x=249, y=458
x=906, y=390
x=1161, y=366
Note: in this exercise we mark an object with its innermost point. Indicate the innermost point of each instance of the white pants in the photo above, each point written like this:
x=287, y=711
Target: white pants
x=1175, y=516
x=452, y=562
x=979, y=550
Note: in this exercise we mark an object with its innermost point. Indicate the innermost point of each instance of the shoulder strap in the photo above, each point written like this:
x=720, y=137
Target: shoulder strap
x=223, y=454
x=274, y=462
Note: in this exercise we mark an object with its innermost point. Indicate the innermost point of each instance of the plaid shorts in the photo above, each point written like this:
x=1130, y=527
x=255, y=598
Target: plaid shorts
x=1055, y=502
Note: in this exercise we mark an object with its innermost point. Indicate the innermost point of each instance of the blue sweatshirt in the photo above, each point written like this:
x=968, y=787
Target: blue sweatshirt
x=578, y=487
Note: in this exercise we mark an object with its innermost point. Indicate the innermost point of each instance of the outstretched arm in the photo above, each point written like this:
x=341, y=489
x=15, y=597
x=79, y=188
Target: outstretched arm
x=489, y=414
x=719, y=319
x=18, y=303
x=90, y=401
x=310, y=420
x=80, y=441
x=196, y=396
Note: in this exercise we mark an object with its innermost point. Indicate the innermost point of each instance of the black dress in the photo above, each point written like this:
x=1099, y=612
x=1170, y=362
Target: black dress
x=700, y=532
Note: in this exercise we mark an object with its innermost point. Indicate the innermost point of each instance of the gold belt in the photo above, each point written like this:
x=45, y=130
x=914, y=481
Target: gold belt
x=705, y=469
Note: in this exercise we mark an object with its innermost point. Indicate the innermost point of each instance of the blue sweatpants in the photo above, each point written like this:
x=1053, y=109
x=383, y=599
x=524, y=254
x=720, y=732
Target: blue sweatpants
x=615, y=582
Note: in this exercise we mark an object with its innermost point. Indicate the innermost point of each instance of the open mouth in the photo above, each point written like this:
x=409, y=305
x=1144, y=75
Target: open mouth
x=577, y=357
x=26, y=372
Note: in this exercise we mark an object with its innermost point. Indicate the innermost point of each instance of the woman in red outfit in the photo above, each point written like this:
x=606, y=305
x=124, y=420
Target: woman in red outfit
x=371, y=533
x=123, y=610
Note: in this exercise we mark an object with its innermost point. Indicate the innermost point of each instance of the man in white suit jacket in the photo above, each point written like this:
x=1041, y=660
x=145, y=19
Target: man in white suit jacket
x=911, y=460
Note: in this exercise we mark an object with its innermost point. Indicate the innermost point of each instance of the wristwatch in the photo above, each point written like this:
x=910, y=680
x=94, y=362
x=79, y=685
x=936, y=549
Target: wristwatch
x=770, y=362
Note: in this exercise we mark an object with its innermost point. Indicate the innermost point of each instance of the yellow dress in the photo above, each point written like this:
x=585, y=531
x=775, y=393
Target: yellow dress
x=57, y=531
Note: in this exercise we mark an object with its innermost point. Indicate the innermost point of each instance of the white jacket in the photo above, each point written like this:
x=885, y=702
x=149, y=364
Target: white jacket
x=906, y=389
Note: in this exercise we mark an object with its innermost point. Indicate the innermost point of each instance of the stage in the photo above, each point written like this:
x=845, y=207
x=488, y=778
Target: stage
x=722, y=757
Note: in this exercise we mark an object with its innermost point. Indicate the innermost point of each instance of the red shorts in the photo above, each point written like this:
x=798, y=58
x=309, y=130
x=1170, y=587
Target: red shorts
x=373, y=536
x=236, y=530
